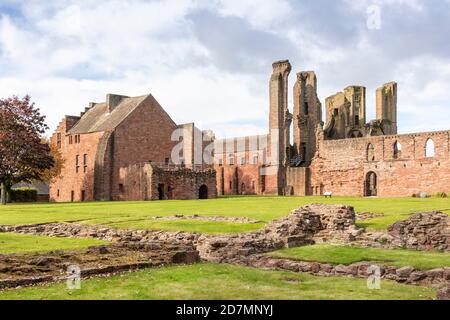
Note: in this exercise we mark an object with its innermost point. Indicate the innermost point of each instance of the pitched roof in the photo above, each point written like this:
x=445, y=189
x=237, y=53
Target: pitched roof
x=98, y=118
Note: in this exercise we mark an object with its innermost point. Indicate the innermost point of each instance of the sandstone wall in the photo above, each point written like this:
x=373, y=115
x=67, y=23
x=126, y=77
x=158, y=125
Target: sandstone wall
x=148, y=182
x=342, y=166
x=71, y=185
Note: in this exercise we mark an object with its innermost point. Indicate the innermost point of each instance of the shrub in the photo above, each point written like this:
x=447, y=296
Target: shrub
x=441, y=195
x=24, y=195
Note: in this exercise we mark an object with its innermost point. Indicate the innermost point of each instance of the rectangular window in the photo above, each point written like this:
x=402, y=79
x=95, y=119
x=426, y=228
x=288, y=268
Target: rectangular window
x=72, y=196
x=255, y=159
x=85, y=163
x=306, y=108
x=83, y=195
x=220, y=161
x=57, y=193
x=242, y=161
x=70, y=139
x=58, y=140
x=231, y=160
x=77, y=163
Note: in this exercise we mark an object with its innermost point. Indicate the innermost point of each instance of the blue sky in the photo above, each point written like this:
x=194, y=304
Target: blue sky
x=210, y=61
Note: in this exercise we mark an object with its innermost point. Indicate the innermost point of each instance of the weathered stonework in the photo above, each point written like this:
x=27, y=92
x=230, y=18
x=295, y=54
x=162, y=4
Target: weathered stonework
x=422, y=231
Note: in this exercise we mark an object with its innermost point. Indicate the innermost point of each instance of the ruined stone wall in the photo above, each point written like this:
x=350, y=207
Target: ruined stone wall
x=73, y=184
x=148, y=182
x=342, y=166
x=297, y=180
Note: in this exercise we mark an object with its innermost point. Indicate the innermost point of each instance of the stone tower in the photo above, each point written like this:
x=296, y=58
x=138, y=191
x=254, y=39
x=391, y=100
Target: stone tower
x=346, y=113
x=387, y=107
x=307, y=115
x=356, y=113
x=279, y=124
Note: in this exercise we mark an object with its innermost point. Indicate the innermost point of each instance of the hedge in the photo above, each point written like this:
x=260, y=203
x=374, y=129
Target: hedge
x=24, y=195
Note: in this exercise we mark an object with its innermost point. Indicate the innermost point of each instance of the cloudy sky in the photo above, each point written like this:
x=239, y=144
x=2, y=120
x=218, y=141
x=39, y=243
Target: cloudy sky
x=210, y=61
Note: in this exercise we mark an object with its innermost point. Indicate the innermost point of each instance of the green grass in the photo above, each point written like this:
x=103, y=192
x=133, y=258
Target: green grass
x=25, y=243
x=136, y=214
x=347, y=255
x=223, y=282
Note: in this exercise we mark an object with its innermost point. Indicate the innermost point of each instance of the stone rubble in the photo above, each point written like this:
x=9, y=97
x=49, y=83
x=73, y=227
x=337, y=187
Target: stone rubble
x=422, y=231
x=310, y=224
x=208, y=218
x=306, y=225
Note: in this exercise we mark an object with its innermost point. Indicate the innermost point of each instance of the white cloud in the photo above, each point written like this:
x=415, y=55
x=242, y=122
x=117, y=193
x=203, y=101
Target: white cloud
x=209, y=61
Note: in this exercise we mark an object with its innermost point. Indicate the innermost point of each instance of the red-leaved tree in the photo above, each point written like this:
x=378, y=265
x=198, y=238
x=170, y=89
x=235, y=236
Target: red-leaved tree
x=23, y=155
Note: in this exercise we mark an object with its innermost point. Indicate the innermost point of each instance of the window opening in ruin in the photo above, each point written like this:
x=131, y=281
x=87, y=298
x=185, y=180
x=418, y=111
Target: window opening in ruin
x=430, y=149
x=306, y=108
x=370, y=152
x=83, y=195
x=397, y=150
x=72, y=196
x=121, y=188
x=356, y=120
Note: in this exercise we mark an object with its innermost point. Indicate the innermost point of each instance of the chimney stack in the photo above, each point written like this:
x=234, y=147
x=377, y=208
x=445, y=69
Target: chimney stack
x=112, y=101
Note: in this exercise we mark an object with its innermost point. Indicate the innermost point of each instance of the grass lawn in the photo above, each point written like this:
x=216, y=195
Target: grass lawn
x=223, y=282
x=347, y=255
x=136, y=214
x=25, y=243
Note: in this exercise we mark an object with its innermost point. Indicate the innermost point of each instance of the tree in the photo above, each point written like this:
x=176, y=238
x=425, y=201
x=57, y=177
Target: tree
x=48, y=175
x=23, y=155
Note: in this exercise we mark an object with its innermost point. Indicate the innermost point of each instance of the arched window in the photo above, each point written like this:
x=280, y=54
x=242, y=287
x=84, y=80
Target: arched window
x=397, y=150
x=370, y=152
x=429, y=149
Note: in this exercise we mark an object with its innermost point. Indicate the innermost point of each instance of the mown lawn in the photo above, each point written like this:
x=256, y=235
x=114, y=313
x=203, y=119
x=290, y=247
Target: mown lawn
x=137, y=214
x=25, y=243
x=219, y=281
x=346, y=255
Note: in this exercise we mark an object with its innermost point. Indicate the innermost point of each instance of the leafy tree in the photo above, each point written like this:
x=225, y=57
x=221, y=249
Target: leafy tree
x=23, y=155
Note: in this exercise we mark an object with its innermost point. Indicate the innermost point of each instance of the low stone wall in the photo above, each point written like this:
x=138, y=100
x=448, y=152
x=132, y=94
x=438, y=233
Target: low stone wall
x=422, y=231
x=70, y=230
x=407, y=275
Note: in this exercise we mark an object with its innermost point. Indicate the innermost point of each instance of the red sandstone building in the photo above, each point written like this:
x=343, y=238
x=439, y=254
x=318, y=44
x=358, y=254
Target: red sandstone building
x=123, y=150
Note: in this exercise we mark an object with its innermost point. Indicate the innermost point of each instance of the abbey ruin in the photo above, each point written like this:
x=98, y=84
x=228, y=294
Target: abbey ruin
x=122, y=149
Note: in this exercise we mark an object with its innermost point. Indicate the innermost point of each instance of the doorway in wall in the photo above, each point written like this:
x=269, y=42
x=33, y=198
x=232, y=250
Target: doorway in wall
x=160, y=191
x=203, y=192
x=371, y=185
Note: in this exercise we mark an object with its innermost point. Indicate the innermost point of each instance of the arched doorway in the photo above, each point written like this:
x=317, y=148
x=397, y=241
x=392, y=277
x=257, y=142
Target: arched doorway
x=371, y=185
x=203, y=192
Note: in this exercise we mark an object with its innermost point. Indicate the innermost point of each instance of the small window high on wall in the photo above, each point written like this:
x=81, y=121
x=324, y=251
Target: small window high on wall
x=370, y=152
x=397, y=150
x=430, y=149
